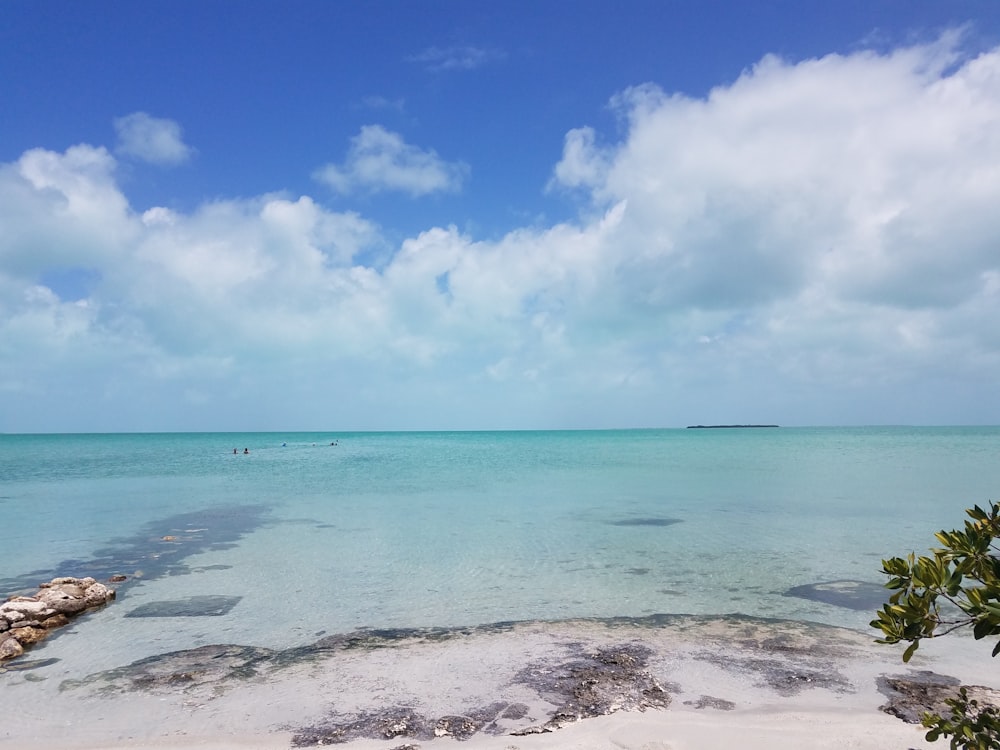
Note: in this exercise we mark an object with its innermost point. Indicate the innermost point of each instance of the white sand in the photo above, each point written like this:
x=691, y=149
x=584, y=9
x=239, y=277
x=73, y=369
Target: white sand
x=830, y=701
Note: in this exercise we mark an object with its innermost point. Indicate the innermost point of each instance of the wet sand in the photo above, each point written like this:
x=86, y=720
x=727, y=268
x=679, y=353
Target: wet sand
x=655, y=683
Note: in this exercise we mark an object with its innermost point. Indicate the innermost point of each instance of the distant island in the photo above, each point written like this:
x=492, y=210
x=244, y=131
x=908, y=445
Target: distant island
x=726, y=426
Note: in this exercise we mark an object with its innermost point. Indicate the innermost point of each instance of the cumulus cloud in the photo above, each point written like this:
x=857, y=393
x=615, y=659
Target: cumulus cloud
x=152, y=139
x=799, y=178
x=816, y=241
x=381, y=160
x=583, y=164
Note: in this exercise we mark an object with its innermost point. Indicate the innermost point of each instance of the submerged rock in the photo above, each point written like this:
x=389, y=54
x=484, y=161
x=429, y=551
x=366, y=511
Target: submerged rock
x=215, y=665
x=192, y=606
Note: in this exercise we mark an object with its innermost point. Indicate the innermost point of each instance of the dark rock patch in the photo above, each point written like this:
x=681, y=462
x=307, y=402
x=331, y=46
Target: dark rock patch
x=859, y=595
x=783, y=677
x=404, y=722
x=914, y=694
x=645, y=522
x=216, y=665
x=192, y=606
x=587, y=684
x=612, y=679
x=708, y=701
x=787, y=663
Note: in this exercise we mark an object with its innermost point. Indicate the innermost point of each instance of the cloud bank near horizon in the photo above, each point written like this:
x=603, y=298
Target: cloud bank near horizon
x=823, y=229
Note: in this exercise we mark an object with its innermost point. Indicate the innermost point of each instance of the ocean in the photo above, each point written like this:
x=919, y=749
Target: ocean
x=307, y=534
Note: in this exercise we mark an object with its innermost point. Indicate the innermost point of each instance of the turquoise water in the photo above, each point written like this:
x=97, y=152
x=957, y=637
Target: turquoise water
x=415, y=529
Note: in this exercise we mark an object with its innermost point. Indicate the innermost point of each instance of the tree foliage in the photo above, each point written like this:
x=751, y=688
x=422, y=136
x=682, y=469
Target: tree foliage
x=970, y=726
x=956, y=586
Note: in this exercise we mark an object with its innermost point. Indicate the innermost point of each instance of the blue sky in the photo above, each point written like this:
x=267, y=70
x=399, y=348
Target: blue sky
x=470, y=215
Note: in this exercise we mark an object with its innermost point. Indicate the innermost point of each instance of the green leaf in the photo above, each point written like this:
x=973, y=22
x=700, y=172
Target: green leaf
x=981, y=629
x=909, y=651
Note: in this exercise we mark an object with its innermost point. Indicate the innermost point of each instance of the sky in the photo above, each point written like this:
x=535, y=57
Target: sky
x=460, y=214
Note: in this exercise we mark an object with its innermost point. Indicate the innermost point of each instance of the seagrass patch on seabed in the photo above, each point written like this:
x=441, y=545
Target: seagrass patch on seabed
x=192, y=606
x=645, y=522
x=858, y=595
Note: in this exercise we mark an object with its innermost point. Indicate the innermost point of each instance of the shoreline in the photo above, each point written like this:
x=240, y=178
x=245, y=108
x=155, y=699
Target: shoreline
x=660, y=683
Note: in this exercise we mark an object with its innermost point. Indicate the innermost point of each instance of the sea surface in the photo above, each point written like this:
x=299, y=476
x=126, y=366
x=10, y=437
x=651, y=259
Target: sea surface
x=309, y=534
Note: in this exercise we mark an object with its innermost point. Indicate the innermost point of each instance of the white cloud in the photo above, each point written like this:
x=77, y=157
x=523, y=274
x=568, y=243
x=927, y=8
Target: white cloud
x=153, y=139
x=381, y=102
x=816, y=241
x=381, y=160
x=799, y=177
x=456, y=57
x=61, y=210
x=583, y=164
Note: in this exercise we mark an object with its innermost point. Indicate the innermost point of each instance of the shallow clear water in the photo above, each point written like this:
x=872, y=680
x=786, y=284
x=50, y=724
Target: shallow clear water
x=415, y=529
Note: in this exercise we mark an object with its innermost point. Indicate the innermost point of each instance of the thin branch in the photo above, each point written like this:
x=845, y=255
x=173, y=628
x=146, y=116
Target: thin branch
x=955, y=625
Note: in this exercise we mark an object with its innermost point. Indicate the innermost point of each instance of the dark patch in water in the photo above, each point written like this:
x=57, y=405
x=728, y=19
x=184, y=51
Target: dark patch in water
x=645, y=522
x=858, y=595
x=637, y=571
x=158, y=549
x=28, y=664
x=193, y=606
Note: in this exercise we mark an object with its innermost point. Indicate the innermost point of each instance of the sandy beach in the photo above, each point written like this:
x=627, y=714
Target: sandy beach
x=657, y=683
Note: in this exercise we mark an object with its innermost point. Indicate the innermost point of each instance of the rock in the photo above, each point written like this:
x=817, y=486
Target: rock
x=56, y=621
x=10, y=648
x=25, y=620
x=98, y=594
x=27, y=608
x=117, y=578
x=28, y=635
x=912, y=695
x=64, y=600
